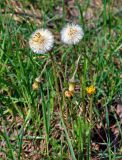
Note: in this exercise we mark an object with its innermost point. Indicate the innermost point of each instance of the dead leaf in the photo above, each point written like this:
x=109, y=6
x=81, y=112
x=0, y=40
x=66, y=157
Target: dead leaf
x=97, y=3
x=119, y=111
x=88, y=14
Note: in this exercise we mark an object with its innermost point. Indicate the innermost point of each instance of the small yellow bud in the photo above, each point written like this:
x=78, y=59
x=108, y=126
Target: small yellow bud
x=68, y=94
x=71, y=87
x=72, y=84
x=120, y=150
x=35, y=85
x=90, y=90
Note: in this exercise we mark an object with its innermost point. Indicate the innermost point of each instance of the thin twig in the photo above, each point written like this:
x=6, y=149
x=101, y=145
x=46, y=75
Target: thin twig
x=76, y=64
x=38, y=79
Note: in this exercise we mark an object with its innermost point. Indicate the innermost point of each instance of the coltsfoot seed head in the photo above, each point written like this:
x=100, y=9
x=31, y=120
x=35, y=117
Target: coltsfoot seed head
x=41, y=41
x=71, y=34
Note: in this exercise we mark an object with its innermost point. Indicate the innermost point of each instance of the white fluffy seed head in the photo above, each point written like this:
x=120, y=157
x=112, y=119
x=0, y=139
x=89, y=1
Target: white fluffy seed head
x=41, y=41
x=72, y=34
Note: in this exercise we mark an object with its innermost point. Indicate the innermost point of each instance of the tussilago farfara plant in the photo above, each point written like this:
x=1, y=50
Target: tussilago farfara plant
x=41, y=41
x=72, y=34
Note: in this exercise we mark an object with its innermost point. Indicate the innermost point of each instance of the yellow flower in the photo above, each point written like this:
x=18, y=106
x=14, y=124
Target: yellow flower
x=71, y=87
x=35, y=85
x=68, y=94
x=91, y=90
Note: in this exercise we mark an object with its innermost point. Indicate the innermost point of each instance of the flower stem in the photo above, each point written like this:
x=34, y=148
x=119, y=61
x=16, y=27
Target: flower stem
x=90, y=109
x=76, y=67
x=55, y=77
x=90, y=118
x=38, y=79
